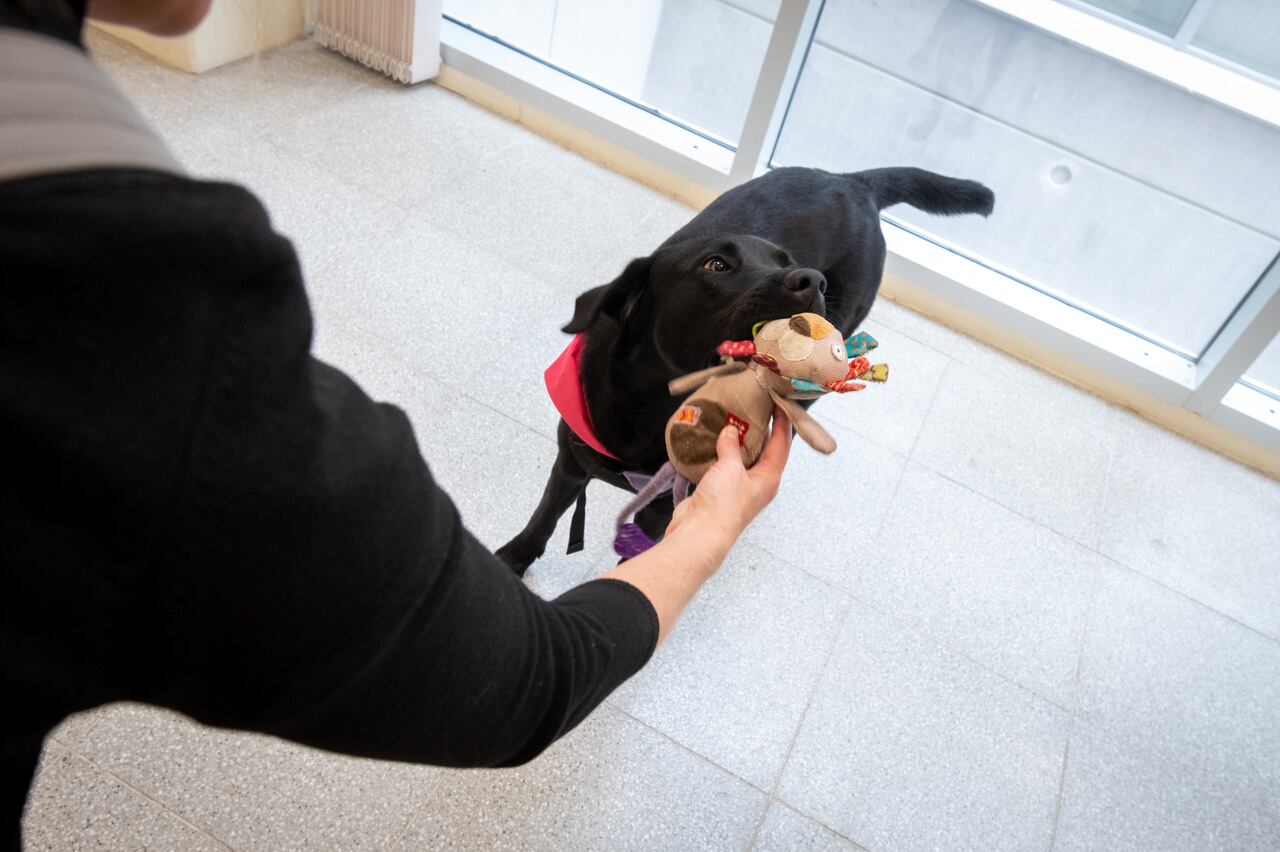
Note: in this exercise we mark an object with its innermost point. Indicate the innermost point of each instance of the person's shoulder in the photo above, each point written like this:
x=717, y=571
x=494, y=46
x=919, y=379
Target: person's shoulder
x=107, y=219
x=110, y=195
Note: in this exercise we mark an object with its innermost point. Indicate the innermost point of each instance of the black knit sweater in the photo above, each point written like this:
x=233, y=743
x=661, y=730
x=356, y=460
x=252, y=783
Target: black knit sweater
x=196, y=513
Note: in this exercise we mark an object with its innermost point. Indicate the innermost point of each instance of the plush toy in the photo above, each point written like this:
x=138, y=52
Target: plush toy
x=800, y=357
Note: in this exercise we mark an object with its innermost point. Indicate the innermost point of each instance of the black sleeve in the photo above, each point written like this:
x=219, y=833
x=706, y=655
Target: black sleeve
x=324, y=588
x=198, y=514
x=330, y=594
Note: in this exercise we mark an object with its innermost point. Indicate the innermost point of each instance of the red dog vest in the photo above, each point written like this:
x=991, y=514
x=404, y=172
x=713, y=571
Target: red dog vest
x=564, y=383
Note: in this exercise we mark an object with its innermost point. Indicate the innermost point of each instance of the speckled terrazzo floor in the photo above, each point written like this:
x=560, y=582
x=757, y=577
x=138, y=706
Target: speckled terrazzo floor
x=1034, y=620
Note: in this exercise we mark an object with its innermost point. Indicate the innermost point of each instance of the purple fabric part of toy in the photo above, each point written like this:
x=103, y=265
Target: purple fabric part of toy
x=631, y=541
x=629, y=535
x=638, y=481
x=680, y=490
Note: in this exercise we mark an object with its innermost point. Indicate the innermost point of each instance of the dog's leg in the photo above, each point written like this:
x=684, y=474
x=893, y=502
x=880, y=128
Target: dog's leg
x=567, y=482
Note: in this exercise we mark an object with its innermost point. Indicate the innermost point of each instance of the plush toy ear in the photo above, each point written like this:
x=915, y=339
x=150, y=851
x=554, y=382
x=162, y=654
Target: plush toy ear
x=614, y=299
x=693, y=381
x=859, y=344
x=806, y=427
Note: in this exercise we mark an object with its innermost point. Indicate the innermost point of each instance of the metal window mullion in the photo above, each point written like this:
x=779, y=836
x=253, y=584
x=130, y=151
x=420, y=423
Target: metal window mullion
x=779, y=72
x=1254, y=324
x=1191, y=23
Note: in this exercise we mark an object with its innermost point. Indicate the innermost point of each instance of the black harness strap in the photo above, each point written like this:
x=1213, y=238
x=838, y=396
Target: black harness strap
x=578, y=526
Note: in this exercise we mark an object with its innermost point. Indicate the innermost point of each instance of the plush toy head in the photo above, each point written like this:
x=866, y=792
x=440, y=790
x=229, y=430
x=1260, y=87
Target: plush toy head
x=804, y=346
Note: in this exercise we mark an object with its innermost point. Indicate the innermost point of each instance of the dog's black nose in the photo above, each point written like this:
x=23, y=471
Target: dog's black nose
x=804, y=279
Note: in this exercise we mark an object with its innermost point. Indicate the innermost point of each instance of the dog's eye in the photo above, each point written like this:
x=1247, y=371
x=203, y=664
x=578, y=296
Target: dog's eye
x=716, y=264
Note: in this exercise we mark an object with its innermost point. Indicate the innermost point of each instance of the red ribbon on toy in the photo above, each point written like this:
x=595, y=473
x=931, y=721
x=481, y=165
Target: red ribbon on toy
x=736, y=349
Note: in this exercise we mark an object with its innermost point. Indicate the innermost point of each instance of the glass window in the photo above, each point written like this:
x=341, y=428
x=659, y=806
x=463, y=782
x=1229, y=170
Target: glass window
x=1116, y=192
x=1243, y=31
x=695, y=61
x=1163, y=16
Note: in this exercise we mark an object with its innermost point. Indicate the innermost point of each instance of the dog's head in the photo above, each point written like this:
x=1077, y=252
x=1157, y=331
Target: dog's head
x=692, y=295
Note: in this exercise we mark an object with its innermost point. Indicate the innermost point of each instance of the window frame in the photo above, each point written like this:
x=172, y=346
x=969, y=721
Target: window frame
x=1210, y=386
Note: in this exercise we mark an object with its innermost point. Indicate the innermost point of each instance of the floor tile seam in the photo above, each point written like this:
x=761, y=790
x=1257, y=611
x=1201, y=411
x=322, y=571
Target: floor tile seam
x=1039, y=371
x=613, y=705
x=318, y=163
x=819, y=675
x=948, y=648
x=1103, y=727
x=516, y=262
x=786, y=560
x=858, y=847
x=409, y=824
x=849, y=592
x=549, y=435
x=153, y=799
x=968, y=362
x=933, y=347
x=463, y=236
x=432, y=377
x=1112, y=454
x=982, y=348
x=610, y=257
x=1274, y=640
x=829, y=422
x=1090, y=608
x=1111, y=459
x=919, y=341
x=874, y=541
x=1062, y=784
x=1244, y=495
x=854, y=597
x=279, y=125
x=1012, y=510
x=496, y=112
x=933, y=401
x=337, y=175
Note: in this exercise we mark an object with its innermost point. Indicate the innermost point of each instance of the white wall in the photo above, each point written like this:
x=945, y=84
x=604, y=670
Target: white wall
x=232, y=30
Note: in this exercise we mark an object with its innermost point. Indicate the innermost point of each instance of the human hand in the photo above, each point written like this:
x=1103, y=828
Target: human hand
x=730, y=495
x=707, y=524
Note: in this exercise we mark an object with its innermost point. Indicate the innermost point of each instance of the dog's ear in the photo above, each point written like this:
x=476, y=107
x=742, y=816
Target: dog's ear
x=612, y=299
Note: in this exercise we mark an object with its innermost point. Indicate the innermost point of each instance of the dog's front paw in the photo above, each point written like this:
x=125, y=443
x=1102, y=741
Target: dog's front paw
x=518, y=558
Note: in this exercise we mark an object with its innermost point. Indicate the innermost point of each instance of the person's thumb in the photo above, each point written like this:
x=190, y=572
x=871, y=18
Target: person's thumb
x=727, y=445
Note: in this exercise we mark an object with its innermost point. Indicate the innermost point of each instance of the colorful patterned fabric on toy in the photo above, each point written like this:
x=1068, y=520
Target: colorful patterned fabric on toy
x=737, y=349
x=806, y=386
x=859, y=344
x=767, y=361
x=876, y=373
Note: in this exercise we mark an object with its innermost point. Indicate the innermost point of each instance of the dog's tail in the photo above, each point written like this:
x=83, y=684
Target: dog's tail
x=930, y=192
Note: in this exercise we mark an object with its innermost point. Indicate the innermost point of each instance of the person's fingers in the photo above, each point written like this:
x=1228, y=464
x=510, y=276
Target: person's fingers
x=778, y=447
x=727, y=446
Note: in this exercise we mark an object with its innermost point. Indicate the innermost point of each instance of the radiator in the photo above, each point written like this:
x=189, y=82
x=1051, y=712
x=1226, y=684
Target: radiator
x=400, y=38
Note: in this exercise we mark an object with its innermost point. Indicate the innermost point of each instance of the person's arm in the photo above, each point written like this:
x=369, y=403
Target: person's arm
x=269, y=548
x=706, y=525
x=324, y=588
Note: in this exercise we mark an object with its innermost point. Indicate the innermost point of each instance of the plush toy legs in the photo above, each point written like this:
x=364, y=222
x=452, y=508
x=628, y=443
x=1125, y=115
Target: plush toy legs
x=630, y=540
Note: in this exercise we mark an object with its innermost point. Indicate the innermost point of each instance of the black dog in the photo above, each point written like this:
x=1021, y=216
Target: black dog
x=792, y=240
